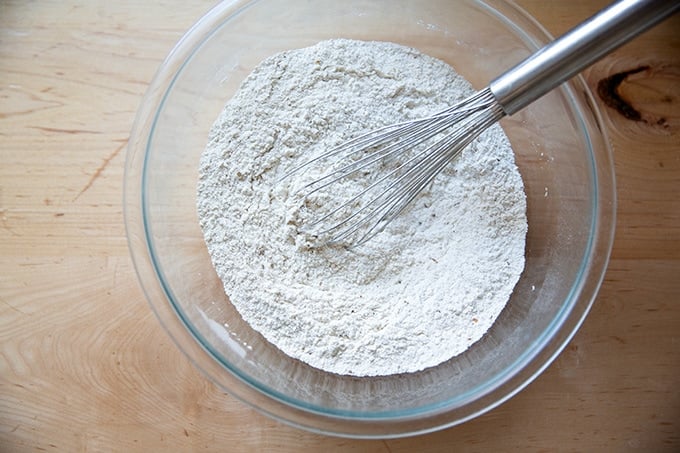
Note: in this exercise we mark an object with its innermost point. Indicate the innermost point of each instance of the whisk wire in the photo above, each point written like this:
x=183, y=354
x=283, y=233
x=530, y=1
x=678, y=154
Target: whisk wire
x=373, y=139
x=441, y=123
x=368, y=204
x=411, y=134
x=361, y=216
x=391, y=150
x=396, y=197
x=447, y=150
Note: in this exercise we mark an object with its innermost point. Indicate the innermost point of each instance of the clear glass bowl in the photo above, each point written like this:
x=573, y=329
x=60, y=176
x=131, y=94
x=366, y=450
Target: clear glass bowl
x=560, y=148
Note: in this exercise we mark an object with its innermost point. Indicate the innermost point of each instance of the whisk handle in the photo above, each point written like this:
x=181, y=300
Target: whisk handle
x=577, y=49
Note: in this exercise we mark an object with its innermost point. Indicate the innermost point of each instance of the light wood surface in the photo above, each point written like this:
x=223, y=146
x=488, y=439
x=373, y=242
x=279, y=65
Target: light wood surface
x=85, y=366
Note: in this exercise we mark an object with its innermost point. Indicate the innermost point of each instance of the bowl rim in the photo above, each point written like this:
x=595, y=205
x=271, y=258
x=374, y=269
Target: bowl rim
x=534, y=360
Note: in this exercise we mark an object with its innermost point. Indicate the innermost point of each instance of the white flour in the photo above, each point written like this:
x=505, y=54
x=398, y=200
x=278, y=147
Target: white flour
x=417, y=294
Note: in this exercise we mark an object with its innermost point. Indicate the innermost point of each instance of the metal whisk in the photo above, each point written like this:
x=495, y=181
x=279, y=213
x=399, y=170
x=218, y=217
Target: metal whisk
x=402, y=159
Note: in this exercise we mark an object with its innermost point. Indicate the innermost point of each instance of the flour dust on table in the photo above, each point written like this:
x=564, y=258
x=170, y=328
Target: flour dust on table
x=417, y=294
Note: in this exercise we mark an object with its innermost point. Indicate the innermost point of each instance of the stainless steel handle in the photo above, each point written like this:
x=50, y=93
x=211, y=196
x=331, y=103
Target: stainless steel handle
x=577, y=49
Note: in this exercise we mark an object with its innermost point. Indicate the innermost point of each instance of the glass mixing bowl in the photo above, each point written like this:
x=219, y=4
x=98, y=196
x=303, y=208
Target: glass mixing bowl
x=561, y=151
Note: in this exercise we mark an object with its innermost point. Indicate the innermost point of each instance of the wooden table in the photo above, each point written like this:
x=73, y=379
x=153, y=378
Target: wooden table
x=85, y=366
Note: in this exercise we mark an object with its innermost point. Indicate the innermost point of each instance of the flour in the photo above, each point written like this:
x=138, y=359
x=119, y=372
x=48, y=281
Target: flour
x=417, y=294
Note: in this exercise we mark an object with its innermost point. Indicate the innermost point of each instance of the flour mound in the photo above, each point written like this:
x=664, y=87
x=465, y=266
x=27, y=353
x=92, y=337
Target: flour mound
x=417, y=294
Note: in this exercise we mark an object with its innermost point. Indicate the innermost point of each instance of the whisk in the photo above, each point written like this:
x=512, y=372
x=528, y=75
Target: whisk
x=402, y=159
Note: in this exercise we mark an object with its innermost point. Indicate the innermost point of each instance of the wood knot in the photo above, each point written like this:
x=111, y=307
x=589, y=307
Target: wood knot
x=644, y=94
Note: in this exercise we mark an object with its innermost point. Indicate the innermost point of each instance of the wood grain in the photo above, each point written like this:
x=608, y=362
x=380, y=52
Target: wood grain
x=84, y=365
